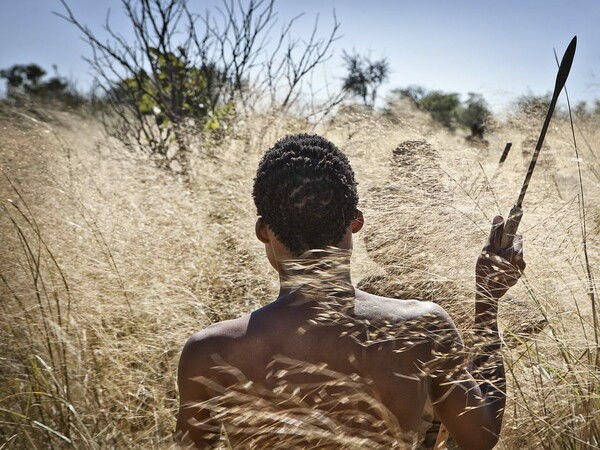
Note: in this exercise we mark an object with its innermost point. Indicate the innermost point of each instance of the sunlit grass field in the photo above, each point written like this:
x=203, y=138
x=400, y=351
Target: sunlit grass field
x=108, y=264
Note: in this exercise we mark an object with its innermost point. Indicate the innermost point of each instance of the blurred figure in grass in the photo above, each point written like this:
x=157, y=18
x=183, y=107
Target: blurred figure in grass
x=325, y=364
x=476, y=136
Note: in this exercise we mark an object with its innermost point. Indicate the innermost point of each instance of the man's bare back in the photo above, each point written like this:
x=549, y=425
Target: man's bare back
x=286, y=330
x=356, y=362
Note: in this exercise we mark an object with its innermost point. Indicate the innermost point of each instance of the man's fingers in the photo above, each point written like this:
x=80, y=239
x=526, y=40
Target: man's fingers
x=495, y=237
x=499, y=268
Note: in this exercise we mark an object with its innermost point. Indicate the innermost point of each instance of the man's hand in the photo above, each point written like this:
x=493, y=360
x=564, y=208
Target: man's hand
x=498, y=268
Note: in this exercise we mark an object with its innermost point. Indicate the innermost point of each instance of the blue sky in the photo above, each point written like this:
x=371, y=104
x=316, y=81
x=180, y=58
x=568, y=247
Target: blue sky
x=500, y=49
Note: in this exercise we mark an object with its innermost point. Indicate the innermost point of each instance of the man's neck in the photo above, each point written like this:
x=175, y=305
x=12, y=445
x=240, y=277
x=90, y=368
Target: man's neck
x=320, y=271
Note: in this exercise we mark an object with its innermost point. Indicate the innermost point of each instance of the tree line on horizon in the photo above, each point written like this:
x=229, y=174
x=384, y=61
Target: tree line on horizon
x=166, y=83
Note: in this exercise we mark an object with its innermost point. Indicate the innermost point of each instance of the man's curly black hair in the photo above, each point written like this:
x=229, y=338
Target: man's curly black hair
x=306, y=192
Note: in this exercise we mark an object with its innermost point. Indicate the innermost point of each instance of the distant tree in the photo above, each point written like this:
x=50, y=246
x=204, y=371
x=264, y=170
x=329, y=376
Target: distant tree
x=443, y=107
x=581, y=110
x=595, y=110
x=28, y=80
x=23, y=77
x=364, y=76
x=414, y=93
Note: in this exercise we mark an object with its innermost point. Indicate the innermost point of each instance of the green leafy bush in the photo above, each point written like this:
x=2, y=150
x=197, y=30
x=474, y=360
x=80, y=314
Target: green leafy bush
x=175, y=90
x=446, y=108
x=442, y=107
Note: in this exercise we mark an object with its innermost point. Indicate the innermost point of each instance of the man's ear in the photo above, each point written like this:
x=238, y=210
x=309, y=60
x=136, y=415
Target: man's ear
x=261, y=230
x=358, y=221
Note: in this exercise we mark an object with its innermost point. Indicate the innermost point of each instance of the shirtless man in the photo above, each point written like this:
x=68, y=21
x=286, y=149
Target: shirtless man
x=306, y=198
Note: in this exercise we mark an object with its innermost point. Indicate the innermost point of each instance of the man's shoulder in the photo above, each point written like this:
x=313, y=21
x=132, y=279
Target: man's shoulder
x=220, y=331
x=214, y=339
x=410, y=318
x=397, y=309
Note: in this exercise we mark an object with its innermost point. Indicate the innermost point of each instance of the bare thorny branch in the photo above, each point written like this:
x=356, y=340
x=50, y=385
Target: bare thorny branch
x=181, y=68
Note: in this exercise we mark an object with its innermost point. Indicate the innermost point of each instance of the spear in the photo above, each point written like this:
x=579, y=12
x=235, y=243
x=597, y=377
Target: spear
x=516, y=212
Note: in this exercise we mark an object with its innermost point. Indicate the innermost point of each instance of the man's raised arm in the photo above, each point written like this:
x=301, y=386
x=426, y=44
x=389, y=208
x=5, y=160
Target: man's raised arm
x=470, y=401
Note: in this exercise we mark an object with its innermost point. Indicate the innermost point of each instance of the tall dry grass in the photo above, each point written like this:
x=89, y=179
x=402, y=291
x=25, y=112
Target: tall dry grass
x=108, y=265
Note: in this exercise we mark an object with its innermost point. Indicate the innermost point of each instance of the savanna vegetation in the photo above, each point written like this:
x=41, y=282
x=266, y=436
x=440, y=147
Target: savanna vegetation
x=127, y=224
